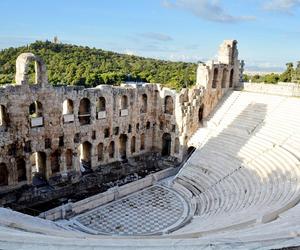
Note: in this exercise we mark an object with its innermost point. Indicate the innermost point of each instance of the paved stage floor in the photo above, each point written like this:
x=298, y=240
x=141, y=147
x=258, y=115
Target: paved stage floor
x=154, y=210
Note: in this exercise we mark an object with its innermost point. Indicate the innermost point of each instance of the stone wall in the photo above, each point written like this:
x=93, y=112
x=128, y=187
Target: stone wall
x=48, y=131
x=282, y=88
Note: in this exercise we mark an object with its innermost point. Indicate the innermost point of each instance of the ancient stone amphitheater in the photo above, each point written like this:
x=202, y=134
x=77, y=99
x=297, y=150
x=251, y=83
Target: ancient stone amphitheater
x=239, y=189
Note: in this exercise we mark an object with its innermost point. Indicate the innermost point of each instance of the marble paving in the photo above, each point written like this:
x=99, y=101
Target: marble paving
x=151, y=211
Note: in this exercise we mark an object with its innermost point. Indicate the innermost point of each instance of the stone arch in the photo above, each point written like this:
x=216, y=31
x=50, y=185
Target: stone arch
x=169, y=105
x=200, y=113
x=100, y=151
x=231, y=78
x=101, y=104
x=3, y=174
x=142, y=142
x=84, y=112
x=124, y=102
x=166, y=144
x=111, y=149
x=55, y=161
x=144, y=105
x=123, y=146
x=22, y=69
x=21, y=169
x=69, y=159
x=132, y=146
x=38, y=164
x=177, y=145
x=86, y=154
x=4, y=118
x=215, y=78
x=224, y=78
x=68, y=107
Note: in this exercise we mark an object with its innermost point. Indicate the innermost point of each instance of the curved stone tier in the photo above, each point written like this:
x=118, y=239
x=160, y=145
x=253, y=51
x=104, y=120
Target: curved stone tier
x=242, y=183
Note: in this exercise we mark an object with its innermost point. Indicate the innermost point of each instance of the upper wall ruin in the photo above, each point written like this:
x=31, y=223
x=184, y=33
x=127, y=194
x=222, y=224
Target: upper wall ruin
x=49, y=131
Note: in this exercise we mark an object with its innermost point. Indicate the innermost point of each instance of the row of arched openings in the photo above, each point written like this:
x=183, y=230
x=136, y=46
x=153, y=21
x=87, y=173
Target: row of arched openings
x=86, y=149
x=21, y=172
x=84, y=112
x=215, y=81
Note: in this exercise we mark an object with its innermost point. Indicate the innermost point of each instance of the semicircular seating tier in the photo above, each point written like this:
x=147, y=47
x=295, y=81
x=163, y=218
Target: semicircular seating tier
x=246, y=168
x=243, y=182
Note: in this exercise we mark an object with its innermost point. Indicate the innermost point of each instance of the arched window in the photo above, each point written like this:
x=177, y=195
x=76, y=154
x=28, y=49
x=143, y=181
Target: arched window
x=166, y=144
x=124, y=102
x=177, y=145
x=38, y=164
x=100, y=152
x=36, y=109
x=55, y=161
x=215, y=78
x=21, y=169
x=101, y=108
x=231, y=79
x=133, y=141
x=200, y=113
x=68, y=111
x=111, y=149
x=69, y=159
x=106, y=133
x=123, y=146
x=142, y=142
x=224, y=78
x=144, y=104
x=169, y=106
x=36, y=114
x=101, y=104
x=3, y=175
x=84, y=112
x=86, y=154
x=148, y=125
x=68, y=107
x=4, y=119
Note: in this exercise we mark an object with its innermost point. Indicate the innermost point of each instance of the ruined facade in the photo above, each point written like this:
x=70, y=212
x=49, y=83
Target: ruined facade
x=48, y=131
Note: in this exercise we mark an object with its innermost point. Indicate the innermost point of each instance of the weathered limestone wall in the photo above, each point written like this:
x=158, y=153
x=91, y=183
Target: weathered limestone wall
x=52, y=131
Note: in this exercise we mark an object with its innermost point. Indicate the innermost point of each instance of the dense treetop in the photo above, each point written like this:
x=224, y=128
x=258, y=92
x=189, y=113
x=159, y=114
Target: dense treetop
x=78, y=65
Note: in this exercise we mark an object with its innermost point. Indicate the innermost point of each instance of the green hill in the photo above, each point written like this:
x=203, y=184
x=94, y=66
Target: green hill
x=78, y=65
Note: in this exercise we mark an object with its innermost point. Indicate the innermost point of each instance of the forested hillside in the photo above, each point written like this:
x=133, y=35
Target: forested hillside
x=77, y=65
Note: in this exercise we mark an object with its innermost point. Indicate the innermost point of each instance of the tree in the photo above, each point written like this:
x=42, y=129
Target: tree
x=286, y=76
x=78, y=65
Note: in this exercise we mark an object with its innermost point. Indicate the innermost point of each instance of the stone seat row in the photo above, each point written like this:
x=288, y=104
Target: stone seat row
x=249, y=161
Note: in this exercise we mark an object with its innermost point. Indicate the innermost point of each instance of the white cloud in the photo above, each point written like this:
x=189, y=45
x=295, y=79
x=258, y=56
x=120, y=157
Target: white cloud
x=263, y=66
x=285, y=6
x=157, y=36
x=206, y=9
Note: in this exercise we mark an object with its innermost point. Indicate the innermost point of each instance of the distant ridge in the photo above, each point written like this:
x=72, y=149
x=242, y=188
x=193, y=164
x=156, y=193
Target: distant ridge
x=81, y=65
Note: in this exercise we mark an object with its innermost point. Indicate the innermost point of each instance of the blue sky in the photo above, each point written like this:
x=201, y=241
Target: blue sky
x=268, y=31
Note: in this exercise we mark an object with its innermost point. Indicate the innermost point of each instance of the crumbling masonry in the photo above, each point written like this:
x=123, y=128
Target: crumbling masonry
x=50, y=131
